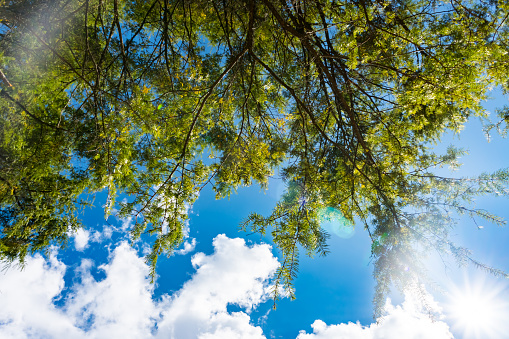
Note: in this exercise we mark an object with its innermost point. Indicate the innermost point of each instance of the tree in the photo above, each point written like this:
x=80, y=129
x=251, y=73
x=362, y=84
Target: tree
x=345, y=98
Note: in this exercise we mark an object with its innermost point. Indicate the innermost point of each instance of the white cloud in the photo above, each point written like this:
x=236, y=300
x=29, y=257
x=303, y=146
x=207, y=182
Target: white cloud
x=188, y=247
x=410, y=321
x=235, y=274
x=97, y=236
x=106, y=234
x=81, y=239
x=27, y=301
x=121, y=304
x=127, y=223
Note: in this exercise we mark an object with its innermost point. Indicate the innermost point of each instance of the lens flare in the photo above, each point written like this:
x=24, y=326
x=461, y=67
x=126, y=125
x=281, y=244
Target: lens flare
x=333, y=221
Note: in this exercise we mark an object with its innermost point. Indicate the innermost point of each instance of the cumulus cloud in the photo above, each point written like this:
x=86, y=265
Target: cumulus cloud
x=81, y=239
x=235, y=274
x=27, y=301
x=106, y=234
x=121, y=304
x=411, y=320
x=118, y=306
x=188, y=247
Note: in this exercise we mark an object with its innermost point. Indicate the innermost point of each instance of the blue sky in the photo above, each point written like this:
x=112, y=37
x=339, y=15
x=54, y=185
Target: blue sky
x=218, y=284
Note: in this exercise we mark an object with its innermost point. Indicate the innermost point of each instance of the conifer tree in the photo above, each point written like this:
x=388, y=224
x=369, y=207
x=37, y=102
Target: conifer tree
x=344, y=98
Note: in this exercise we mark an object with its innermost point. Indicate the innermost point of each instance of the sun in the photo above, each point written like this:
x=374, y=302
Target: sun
x=478, y=310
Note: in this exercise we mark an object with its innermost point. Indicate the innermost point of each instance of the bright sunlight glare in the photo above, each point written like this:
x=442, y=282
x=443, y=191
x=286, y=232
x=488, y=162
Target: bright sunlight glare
x=478, y=310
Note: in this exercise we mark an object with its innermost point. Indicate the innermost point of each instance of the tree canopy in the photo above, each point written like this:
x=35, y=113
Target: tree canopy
x=158, y=99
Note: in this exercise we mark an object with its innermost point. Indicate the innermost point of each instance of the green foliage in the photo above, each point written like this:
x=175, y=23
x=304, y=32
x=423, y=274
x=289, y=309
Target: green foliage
x=345, y=98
